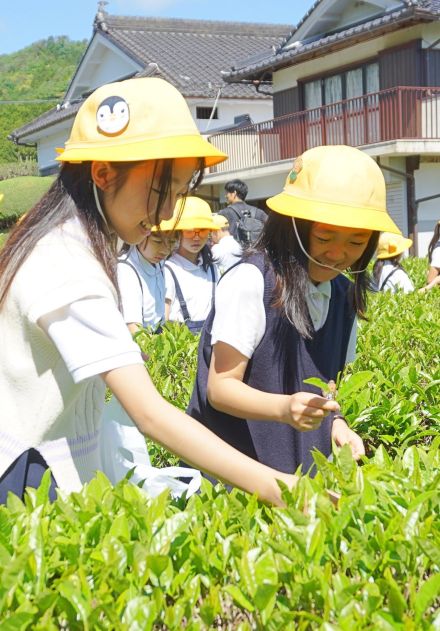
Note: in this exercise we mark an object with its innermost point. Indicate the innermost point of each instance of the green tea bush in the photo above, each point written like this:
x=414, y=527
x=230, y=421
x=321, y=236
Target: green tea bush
x=111, y=558
x=172, y=365
x=399, y=344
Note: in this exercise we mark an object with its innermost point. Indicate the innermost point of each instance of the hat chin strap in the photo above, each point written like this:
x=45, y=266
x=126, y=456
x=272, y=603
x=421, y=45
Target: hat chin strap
x=99, y=207
x=119, y=241
x=336, y=269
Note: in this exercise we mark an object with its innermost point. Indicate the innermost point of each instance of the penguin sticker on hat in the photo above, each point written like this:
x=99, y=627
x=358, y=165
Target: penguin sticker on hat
x=113, y=116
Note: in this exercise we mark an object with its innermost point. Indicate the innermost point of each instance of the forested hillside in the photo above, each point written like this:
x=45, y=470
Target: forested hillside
x=42, y=72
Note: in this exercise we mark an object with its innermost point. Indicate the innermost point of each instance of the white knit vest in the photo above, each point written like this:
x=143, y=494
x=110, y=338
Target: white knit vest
x=40, y=405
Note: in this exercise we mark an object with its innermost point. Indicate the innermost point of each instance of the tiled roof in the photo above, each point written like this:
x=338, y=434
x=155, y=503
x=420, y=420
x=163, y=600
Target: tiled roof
x=189, y=53
x=286, y=52
x=192, y=53
x=53, y=116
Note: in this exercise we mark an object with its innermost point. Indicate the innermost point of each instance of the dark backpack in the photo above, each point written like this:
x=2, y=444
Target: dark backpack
x=248, y=226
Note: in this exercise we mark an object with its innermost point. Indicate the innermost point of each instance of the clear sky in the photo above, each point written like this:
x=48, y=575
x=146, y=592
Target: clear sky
x=23, y=22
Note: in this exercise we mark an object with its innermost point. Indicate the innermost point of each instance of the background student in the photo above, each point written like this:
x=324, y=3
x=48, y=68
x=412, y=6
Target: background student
x=225, y=249
x=142, y=287
x=245, y=221
x=286, y=312
x=134, y=149
x=388, y=273
x=141, y=280
x=191, y=272
x=433, y=276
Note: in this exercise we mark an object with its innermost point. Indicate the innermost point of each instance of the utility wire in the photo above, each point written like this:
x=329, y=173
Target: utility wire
x=16, y=102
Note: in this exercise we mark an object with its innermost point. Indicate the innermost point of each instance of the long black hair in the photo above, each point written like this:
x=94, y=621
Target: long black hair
x=379, y=263
x=207, y=258
x=280, y=246
x=72, y=195
x=435, y=239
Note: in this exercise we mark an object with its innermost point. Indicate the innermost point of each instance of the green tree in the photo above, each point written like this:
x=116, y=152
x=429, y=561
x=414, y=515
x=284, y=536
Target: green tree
x=32, y=80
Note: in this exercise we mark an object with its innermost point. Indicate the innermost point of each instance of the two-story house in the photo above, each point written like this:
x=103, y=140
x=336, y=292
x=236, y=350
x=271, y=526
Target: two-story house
x=364, y=73
x=188, y=53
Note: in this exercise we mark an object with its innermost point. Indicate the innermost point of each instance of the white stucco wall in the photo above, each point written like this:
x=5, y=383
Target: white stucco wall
x=229, y=108
x=103, y=63
x=427, y=183
x=47, y=144
x=111, y=66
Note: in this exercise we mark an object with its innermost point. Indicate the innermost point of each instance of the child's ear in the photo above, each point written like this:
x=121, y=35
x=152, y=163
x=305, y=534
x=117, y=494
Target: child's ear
x=103, y=174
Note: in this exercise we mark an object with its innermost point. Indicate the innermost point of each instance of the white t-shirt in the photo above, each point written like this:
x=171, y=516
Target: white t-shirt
x=196, y=285
x=398, y=281
x=226, y=253
x=435, y=260
x=60, y=328
x=142, y=289
x=240, y=318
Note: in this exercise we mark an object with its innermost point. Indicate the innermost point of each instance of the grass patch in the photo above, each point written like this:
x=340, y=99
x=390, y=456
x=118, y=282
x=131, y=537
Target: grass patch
x=20, y=194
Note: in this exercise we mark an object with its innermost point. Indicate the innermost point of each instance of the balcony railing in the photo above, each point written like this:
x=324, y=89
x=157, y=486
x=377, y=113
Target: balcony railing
x=398, y=113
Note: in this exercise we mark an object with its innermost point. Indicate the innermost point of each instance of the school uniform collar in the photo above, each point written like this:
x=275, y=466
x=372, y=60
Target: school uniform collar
x=149, y=268
x=322, y=289
x=185, y=263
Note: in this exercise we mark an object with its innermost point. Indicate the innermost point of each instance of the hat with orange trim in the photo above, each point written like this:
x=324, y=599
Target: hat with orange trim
x=337, y=185
x=137, y=119
x=391, y=245
x=189, y=214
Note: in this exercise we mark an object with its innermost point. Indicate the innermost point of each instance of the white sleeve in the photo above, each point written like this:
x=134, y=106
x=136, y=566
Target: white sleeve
x=403, y=281
x=435, y=261
x=91, y=337
x=240, y=318
x=351, y=348
x=131, y=293
x=170, y=288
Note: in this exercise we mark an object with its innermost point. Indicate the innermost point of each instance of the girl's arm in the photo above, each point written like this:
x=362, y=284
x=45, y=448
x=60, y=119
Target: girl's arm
x=167, y=308
x=227, y=393
x=133, y=327
x=435, y=281
x=193, y=442
x=433, y=272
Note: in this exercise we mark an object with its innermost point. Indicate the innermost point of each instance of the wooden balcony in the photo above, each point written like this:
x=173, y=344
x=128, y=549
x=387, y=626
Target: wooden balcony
x=408, y=113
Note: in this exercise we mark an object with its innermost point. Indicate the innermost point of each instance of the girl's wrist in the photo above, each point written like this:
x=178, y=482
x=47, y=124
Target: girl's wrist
x=338, y=419
x=282, y=411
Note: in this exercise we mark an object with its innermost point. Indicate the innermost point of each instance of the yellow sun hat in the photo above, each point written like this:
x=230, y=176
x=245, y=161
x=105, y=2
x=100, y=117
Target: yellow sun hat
x=136, y=119
x=337, y=185
x=391, y=245
x=196, y=213
x=220, y=221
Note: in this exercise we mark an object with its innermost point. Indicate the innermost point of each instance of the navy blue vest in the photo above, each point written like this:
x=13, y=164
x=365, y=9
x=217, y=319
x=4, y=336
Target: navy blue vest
x=280, y=363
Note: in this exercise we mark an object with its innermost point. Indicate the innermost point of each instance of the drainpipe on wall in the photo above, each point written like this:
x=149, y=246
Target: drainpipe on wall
x=412, y=163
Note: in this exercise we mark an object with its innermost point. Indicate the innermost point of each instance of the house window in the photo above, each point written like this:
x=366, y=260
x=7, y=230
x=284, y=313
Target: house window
x=354, y=83
x=345, y=85
x=312, y=94
x=333, y=89
x=372, y=78
x=205, y=113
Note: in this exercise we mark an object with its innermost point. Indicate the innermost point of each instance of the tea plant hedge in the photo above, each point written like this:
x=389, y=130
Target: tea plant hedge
x=109, y=558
